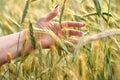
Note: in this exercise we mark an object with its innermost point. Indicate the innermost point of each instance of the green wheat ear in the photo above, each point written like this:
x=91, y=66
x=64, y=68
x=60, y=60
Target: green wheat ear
x=62, y=11
x=25, y=10
x=32, y=35
x=56, y=38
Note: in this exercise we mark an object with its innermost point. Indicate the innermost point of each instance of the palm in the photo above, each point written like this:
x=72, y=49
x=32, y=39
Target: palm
x=45, y=23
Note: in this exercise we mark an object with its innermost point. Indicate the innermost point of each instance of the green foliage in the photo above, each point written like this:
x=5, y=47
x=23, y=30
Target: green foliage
x=98, y=7
x=32, y=35
x=62, y=12
x=25, y=10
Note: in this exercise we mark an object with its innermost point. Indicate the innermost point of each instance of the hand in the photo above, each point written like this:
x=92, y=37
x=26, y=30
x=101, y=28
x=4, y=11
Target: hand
x=45, y=23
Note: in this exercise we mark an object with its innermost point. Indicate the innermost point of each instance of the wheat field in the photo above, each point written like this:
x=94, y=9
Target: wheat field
x=95, y=57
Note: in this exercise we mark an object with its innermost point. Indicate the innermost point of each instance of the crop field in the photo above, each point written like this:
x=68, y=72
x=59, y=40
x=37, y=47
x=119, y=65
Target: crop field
x=96, y=56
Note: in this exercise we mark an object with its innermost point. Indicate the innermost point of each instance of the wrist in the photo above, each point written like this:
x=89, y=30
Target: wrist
x=26, y=41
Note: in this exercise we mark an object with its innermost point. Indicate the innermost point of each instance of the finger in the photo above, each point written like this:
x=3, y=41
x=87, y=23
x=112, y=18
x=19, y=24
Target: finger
x=73, y=40
x=69, y=24
x=72, y=24
x=72, y=32
x=49, y=16
x=52, y=14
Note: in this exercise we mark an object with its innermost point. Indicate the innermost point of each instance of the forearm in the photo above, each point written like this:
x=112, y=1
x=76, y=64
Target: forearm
x=9, y=44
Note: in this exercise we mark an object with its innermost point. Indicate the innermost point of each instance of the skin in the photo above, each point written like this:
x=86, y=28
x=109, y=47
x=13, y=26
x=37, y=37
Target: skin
x=9, y=43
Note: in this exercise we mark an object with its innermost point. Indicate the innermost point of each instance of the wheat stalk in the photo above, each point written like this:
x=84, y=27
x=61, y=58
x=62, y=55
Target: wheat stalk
x=103, y=34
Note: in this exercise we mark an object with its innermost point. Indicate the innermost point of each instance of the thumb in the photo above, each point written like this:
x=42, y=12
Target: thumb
x=52, y=14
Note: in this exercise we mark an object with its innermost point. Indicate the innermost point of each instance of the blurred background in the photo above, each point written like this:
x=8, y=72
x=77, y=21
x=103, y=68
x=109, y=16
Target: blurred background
x=99, y=60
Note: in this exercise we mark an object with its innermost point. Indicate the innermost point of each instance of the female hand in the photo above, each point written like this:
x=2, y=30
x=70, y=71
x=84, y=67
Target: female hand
x=46, y=40
x=45, y=23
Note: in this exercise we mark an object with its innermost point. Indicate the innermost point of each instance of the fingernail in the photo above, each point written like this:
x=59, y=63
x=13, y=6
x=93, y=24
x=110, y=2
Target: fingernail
x=83, y=24
x=56, y=6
